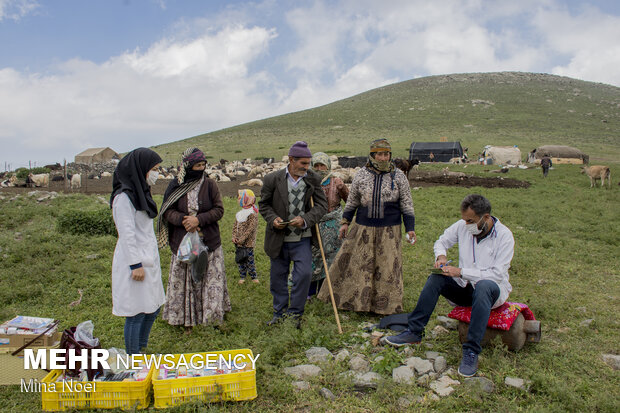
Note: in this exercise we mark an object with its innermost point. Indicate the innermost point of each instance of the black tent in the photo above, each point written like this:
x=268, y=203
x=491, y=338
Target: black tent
x=442, y=151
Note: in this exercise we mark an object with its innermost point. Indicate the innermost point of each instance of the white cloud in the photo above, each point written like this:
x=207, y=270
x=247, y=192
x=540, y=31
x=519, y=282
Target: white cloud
x=171, y=91
x=16, y=9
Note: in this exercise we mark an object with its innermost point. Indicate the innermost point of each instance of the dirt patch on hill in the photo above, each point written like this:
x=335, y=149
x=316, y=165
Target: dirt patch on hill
x=437, y=178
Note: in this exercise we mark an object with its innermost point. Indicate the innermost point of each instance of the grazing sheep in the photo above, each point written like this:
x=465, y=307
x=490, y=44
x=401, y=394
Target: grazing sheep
x=76, y=181
x=252, y=182
x=597, y=172
x=38, y=180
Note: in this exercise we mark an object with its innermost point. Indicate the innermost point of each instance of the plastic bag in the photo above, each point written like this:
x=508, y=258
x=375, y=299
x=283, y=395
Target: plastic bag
x=189, y=248
x=115, y=354
x=84, y=333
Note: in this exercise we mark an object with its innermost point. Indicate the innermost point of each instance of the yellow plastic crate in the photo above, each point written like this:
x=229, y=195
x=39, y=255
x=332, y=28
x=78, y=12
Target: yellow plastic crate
x=222, y=387
x=104, y=394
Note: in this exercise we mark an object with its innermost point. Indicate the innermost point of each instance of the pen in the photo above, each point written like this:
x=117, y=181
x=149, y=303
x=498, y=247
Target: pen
x=447, y=262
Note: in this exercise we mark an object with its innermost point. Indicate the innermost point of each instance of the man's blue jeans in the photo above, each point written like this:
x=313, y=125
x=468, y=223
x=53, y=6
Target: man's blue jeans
x=137, y=330
x=481, y=299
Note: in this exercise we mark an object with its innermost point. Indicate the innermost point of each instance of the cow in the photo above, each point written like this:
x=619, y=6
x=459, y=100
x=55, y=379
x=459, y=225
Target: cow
x=38, y=180
x=404, y=165
x=597, y=172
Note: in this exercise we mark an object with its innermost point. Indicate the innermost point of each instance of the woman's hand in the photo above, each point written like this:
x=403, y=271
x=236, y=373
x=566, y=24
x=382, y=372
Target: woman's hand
x=342, y=232
x=190, y=223
x=138, y=274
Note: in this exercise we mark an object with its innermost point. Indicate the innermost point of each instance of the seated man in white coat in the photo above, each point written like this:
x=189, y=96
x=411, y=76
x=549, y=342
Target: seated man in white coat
x=486, y=247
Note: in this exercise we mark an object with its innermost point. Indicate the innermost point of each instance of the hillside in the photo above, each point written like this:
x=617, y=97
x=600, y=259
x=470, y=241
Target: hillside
x=507, y=108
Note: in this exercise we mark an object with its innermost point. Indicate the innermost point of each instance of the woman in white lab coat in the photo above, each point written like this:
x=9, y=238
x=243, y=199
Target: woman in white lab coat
x=137, y=289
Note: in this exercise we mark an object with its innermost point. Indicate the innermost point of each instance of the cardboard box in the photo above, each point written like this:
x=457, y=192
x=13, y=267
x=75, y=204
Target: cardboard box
x=15, y=341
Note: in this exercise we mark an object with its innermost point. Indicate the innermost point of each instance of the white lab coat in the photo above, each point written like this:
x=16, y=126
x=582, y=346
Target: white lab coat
x=487, y=260
x=136, y=244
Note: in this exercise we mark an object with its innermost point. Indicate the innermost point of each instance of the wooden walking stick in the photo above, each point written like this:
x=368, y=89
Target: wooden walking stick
x=329, y=283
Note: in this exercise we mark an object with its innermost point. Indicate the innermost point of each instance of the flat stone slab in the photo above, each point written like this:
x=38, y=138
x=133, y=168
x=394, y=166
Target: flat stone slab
x=359, y=364
x=319, y=355
x=367, y=380
x=301, y=385
x=612, y=360
x=516, y=382
x=482, y=383
x=303, y=371
x=420, y=365
x=403, y=375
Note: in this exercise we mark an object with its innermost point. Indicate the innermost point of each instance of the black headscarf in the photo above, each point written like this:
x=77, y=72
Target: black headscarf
x=130, y=177
x=186, y=174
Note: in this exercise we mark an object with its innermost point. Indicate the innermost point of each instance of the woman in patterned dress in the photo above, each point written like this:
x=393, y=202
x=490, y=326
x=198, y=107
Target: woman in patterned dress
x=336, y=191
x=367, y=274
x=192, y=202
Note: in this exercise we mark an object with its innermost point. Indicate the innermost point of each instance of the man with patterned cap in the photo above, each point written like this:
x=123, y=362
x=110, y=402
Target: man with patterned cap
x=286, y=206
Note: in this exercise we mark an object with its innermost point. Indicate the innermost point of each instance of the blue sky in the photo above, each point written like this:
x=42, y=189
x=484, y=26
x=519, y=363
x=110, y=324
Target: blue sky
x=128, y=73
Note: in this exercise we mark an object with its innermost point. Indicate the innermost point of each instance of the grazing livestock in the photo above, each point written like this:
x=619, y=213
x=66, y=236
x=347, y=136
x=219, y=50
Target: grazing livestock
x=11, y=181
x=105, y=174
x=76, y=181
x=253, y=182
x=597, y=172
x=404, y=165
x=38, y=180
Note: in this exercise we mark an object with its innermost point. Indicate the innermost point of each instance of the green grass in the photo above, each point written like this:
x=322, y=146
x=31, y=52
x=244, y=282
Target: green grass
x=566, y=256
x=528, y=110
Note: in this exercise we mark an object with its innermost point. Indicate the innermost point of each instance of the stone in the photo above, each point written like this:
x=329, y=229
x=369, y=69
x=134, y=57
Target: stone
x=438, y=330
x=482, y=383
x=612, y=360
x=516, y=382
x=586, y=323
x=404, y=402
x=403, y=375
x=440, y=364
x=378, y=359
x=365, y=335
x=443, y=386
x=581, y=309
x=327, y=394
x=431, y=355
x=319, y=355
x=408, y=351
x=424, y=380
x=301, y=385
x=359, y=364
x=342, y=355
x=449, y=323
x=420, y=365
x=428, y=345
x=303, y=371
x=92, y=256
x=366, y=380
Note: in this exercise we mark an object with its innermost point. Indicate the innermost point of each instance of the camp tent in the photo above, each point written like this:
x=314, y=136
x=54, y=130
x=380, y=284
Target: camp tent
x=442, y=151
x=559, y=154
x=501, y=155
x=96, y=155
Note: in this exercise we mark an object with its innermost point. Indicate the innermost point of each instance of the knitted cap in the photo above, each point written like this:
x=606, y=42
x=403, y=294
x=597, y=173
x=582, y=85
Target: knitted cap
x=300, y=150
x=380, y=145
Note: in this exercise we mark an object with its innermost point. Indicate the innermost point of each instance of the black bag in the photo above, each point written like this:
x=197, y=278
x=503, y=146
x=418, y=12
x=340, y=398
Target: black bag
x=242, y=254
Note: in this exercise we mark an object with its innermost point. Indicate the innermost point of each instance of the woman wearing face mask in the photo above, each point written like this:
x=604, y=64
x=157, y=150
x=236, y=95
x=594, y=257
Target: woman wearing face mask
x=137, y=289
x=335, y=191
x=367, y=272
x=191, y=203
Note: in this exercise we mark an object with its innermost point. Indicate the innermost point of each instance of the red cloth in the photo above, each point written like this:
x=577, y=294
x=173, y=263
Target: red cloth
x=501, y=317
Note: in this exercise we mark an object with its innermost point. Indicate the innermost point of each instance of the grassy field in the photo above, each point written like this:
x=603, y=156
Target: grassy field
x=509, y=108
x=566, y=268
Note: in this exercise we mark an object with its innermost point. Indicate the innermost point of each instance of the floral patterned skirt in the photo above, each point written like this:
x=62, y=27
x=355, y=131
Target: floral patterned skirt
x=189, y=303
x=367, y=273
x=331, y=245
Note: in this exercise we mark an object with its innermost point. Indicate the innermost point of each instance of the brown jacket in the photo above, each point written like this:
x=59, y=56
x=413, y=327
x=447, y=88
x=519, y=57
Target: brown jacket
x=210, y=211
x=274, y=203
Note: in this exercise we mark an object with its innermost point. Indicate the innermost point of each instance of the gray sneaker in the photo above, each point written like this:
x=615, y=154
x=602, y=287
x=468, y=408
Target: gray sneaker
x=469, y=364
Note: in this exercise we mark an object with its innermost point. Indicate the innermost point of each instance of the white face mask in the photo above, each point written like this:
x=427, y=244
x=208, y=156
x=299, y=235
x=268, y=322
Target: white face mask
x=151, y=177
x=473, y=228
